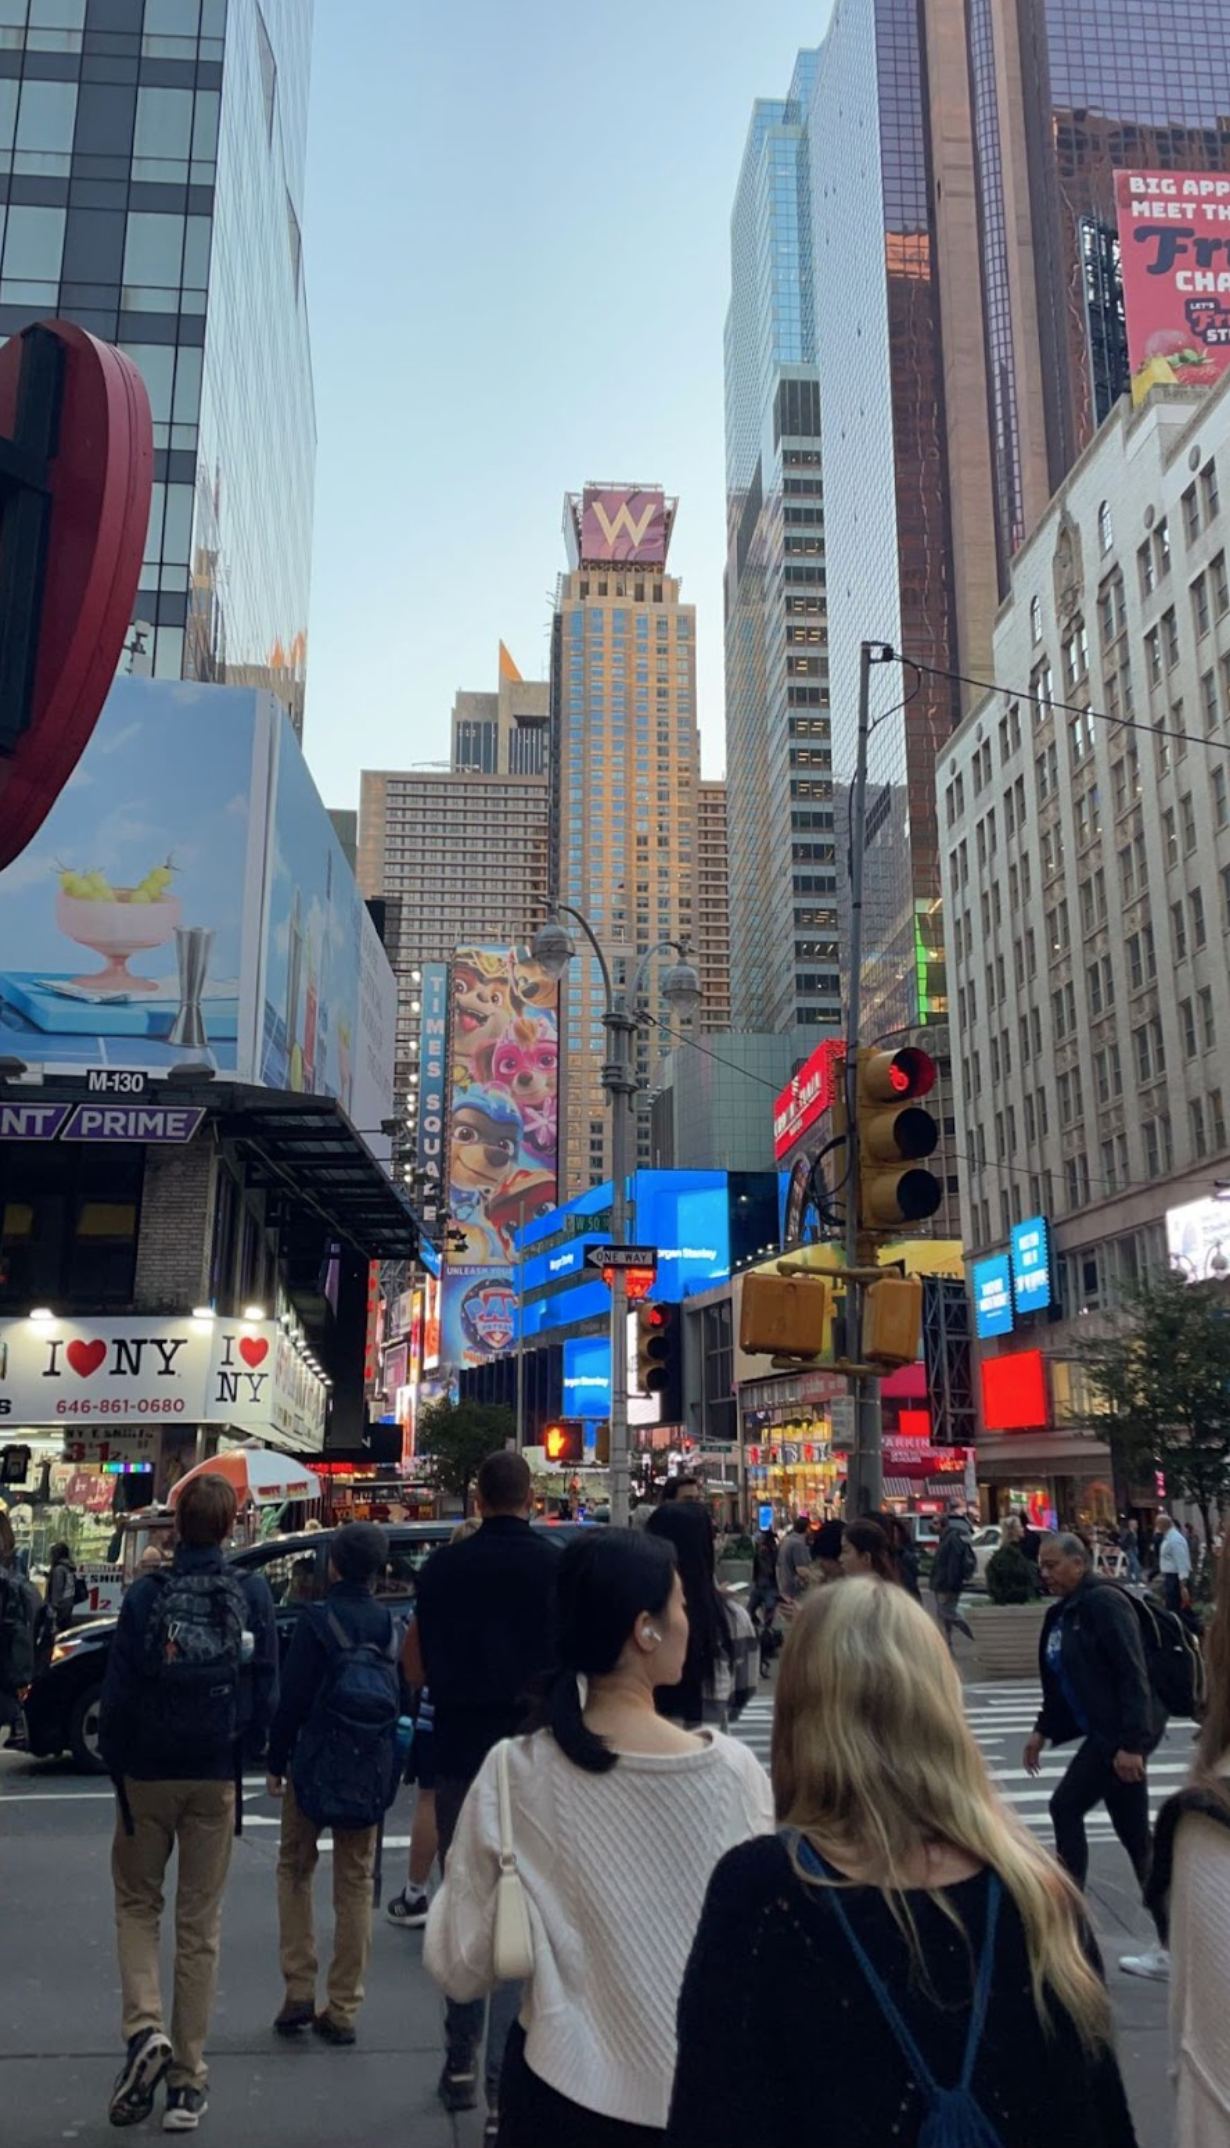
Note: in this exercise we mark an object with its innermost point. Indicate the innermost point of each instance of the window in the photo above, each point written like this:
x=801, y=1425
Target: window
x=1161, y=549
x=1153, y=656
x=1106, y=534
x=1210, y=700
x=1218, y=787
x=1170, y=638
x=1075, y=654
x=1217, y=1120
x=163, y=134
x=1195, y=903
x=1170, y=837
x=1208, y=1027
x=1035, y=620
x=1187, y=1020
x=1153, y=1153
x=1191, y=514
x=154, y=251
x=1221, y=585
x=45, y=123
x=1202, y=614
x=1144, y=560
x=1162, y=747
x=33, y=246
x=1195, y=1117
x=1178, y=930
x=1127, y=873
x=1208, y=486
x=1187, y=815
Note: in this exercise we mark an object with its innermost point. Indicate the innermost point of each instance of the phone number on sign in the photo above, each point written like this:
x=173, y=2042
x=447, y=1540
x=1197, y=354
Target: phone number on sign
x=158, y=1406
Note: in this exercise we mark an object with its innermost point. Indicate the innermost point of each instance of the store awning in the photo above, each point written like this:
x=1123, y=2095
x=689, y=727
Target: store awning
x=305, y=1149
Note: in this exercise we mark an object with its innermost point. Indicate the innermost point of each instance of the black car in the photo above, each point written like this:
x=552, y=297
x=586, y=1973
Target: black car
x=62, y=1704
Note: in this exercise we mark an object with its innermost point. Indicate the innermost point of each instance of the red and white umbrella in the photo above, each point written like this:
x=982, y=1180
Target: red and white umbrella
x=257, y=1475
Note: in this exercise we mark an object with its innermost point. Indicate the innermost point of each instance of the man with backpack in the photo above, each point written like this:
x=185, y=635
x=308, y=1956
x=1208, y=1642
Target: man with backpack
x=334, y=1761
x=65, y=1587
x=953, y=1566
x=194, y=1656
x=1096, y=1687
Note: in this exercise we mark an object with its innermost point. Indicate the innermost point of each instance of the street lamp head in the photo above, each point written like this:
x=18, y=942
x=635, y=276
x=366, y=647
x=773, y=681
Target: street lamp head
x=552, y=949
x=681, y=989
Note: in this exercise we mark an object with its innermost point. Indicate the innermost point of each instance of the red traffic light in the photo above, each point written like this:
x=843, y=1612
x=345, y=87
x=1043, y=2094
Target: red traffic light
x=654, y=1316
x=903, y=1074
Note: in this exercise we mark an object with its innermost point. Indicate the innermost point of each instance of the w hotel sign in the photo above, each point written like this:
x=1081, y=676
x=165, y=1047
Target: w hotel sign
x=623, y=527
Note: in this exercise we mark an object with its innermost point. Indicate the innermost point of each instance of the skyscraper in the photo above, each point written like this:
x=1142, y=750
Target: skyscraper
x=712, y=937
x=783, y=917
x=625, y=763
x=458, y=855
x=156, y=152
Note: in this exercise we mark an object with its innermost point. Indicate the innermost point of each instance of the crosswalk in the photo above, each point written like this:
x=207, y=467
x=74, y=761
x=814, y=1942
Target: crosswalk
x=1002, y=1717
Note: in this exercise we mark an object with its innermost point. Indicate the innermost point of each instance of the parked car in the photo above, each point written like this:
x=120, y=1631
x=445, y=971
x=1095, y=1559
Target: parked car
x=62, y=1705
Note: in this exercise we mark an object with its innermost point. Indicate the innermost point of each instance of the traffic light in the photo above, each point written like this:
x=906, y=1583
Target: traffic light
x=564, y=1441
x=652, y=1349
x=786, y=1316
x=894, y=1132
x=892, y=1320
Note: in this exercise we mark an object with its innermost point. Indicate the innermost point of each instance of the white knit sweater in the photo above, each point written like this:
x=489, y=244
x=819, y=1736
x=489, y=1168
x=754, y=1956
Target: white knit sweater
x=1200, y=1981
x=615, y=1867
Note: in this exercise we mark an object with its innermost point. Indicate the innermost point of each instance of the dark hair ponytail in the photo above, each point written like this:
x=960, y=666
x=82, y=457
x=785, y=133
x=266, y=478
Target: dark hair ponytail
x=607, y=1579
x=687, y=1527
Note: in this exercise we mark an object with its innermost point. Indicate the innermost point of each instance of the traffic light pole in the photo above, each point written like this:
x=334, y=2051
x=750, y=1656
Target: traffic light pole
x=865, y=1477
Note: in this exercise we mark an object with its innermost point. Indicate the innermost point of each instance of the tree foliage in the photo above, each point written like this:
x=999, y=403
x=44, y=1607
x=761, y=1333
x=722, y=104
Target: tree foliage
x=1010, y=1578
x=1161, y=1379
x=460, y=1436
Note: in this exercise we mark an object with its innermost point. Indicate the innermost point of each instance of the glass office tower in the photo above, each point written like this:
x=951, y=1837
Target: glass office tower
x=783, y=901
x=151, y=188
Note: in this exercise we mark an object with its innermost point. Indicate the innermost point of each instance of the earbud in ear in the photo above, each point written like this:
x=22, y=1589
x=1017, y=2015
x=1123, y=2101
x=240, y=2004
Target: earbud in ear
x=650, y=1633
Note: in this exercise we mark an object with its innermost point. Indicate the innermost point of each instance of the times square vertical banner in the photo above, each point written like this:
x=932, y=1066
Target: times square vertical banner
x=433, y=1072
x=1174, y=253
x=503, y=1131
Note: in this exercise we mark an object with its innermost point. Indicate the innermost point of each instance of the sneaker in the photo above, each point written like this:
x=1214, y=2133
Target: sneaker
x=296, y=2014
x=409, y=1909
x=333, y=2032
x=491, y=2131
x=458, y=2089
x=186, y=2107
x=1154, y=1963
x=132, y=2098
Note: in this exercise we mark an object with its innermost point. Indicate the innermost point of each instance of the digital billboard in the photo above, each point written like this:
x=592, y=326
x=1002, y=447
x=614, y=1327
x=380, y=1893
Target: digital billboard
x=587, y=1376
x=993, y=1295
x=1176, y=276
x=1032, y=1284
x=478, y=1316
x=187, y=899
x=1014, y=1392
x=1198, y=1238
x=807, y=1095
x=686, y=1215
x=621, y=525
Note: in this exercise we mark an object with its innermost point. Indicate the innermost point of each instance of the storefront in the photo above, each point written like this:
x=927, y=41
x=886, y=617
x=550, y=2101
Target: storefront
x=789, y=1461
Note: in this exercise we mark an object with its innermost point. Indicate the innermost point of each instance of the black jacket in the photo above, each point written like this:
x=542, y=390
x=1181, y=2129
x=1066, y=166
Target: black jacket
x=1104, y=1665
x=486, y=1620
x=309, y=1657
x=951, y=1569
x=125, y=1691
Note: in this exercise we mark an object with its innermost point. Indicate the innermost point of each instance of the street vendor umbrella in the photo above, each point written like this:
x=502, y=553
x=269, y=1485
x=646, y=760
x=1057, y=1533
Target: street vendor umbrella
x=257, y=1475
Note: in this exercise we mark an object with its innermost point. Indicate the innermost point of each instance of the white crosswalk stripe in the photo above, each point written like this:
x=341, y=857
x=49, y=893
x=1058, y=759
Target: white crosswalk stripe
x=1002, y=1718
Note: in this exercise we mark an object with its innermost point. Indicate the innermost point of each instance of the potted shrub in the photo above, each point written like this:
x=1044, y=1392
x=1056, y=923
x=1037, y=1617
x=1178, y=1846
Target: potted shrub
x=1007, y=1626
x=735, y=1560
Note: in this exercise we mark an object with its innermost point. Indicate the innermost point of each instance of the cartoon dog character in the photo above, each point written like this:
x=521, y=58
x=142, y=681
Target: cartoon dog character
x=482, y=1005
x=532, y=988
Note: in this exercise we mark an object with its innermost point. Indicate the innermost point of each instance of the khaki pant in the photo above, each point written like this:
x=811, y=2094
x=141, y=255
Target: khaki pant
x=198, y=1818
x=354, y=1862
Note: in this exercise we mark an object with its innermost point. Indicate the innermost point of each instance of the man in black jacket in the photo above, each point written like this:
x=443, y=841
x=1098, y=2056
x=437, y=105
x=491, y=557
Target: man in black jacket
x=175, y=1792
x=484, y=1631
x=1095, y=1687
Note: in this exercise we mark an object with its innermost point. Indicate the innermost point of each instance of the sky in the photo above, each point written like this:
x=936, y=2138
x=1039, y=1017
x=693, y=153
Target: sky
x=517, y=247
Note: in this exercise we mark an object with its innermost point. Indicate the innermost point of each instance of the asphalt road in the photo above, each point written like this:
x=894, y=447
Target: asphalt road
x=59, y=2030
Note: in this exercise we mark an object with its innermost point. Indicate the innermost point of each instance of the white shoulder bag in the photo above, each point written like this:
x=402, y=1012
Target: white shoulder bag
x=513, y=1947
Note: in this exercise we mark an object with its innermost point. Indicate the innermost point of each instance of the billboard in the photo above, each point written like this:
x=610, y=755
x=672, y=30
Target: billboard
x=807, y=1095
x=187, y=899
x=587, y=1376
x=620, y=525
x=1014, y=1392
x=1032, y=1286
x=1198, y=1238
x=1176, y=276
x=992, y=1280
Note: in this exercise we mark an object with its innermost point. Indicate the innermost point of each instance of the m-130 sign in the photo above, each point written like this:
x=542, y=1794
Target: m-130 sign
x=244, y=1374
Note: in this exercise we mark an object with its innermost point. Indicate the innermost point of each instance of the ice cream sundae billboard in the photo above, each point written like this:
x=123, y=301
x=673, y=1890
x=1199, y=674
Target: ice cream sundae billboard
x=1174, y=251
x=187, y=901
x=503, y=1087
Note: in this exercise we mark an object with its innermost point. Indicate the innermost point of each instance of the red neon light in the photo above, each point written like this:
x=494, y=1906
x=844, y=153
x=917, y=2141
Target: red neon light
x=914, y=1424
x=1014, y=1392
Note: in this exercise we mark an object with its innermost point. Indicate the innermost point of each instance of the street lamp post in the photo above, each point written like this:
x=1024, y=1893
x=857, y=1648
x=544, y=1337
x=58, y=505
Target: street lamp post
x=554, y=949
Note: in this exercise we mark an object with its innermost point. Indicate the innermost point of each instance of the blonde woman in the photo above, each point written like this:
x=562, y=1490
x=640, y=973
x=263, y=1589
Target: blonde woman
x=901, y=1938
x=1191, y=1883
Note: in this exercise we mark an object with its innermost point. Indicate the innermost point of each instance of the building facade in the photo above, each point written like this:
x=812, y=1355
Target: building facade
x=711, y=941
x=625, y=771
x=783, y=885
x=1088, y=904
x=154, y=153
x=458, y=855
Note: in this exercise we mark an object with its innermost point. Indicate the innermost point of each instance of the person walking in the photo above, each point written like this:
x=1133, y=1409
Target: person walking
x=953, y=1566
x=408, y=1907
x=1174, y=1560
x=341, y=1672
x=900, y=1938
x=1095, y=1687
x=794, y=1560
x=905, y=1554
x=1189, y=1890
x=20, y=1609
x=763, y=1597
x=865, y=1551
x=616, y=1818
x=722, y=1661
x=1129, y=1545
x=65, y=1587
x=194, y=1657
x=483, y=1633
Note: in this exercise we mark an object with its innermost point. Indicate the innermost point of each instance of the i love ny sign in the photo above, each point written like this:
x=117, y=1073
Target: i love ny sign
x=140, y=1369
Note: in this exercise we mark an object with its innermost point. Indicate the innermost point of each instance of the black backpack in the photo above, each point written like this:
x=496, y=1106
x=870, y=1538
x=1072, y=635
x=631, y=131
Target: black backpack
x=1174, y=1658
x=346, y=1765
x=17, y=1621
x=193, y=1653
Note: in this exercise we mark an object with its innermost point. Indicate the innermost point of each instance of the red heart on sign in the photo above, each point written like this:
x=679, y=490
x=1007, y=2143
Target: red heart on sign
x=85, y=1357
x=253, y=1350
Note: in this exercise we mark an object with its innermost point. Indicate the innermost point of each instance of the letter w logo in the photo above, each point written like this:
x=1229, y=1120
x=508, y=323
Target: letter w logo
x=622, y=522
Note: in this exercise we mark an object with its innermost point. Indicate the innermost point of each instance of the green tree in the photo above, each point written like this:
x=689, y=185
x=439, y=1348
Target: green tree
x=1161, y=1378
x=460, y=1436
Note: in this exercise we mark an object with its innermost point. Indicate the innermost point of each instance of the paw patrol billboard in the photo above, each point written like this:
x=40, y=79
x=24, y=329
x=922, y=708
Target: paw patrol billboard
x=503, y=1091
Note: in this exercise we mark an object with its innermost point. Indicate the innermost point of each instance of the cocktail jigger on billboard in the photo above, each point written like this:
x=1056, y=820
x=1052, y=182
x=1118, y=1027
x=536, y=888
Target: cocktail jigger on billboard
x=192, y=950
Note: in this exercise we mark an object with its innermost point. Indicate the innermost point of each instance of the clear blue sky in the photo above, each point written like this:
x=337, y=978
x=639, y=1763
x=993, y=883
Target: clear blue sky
x=517, y=245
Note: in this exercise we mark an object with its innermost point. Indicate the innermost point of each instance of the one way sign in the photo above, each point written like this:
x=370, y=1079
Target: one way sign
x=621, y=1257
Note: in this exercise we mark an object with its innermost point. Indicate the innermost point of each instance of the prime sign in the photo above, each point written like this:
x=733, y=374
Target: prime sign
x=99, y=1122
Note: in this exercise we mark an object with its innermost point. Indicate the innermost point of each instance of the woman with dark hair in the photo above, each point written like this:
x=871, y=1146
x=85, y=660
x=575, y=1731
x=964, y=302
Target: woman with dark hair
x=617, y=1819
x=865, y=1549
x=62, y=1594
x=720, y=1668
x=901, y=1544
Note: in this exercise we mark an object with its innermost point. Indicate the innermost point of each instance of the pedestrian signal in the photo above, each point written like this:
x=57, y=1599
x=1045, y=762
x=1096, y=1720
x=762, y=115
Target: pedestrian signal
x=565, y=1442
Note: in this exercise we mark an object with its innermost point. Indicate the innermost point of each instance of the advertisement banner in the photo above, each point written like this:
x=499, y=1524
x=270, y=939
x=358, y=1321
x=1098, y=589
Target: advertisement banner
x=1175, y=264
x=433, y=1053
x=245, y=1375
x=188, y=899
x=478, y=1318
x=807, y=1095
x=621, y=526
x=503, y=1091
x=587, y=1376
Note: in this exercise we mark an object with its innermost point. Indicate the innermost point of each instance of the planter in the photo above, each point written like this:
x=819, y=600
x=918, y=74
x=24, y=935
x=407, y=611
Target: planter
x=731, y=1571
x=1006, y=1638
